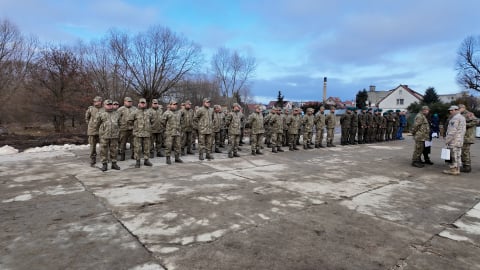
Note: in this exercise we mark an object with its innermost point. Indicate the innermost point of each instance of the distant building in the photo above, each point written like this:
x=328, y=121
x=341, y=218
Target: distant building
x=398, y=98
x=448, y=98
x=375, y=96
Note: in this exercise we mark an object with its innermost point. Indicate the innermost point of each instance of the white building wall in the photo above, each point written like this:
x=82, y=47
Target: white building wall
x=390, y=102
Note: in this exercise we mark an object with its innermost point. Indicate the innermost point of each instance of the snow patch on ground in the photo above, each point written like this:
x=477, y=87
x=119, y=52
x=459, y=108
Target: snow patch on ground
x=7, y=150
x=148, y=266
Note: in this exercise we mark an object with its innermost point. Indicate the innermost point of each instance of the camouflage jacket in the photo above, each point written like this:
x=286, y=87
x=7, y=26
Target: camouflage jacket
x=293, y=123
x=171, y=120
x=319, y=120
x=330, y=120
x=156, y=115
x=255, y=120
x=218, y=121
x=90, y=116
x=233, y=122
x=396, y=120
x=276, y=123
x=378, y=119
x=471, y=124
x=203, y=120
x=354, y=121
x=362, y=120
x=390, y=120
x=142, y=123
x=370, y=120
x=308, y=122
x=421, y=128
x=267, y=120
x=124, y=114
x=187, y=120
x=346, y=120
x=108, y=124
x=457, y=127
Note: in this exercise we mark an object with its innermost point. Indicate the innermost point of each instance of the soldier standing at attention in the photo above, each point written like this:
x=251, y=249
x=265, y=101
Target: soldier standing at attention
x=330, y=122
x=218, y=118
x=108, y=126
x=421, y=133
x=233, y=122
x=257, y=130
x=187, y=128
x=308, y=123
x=456, y=129
x=204, y=120
x=319, y=127
x=286, y=113
x=293, y=123
x=171, y=120
x=277, y=131
x=92, y=131
x=142, y=131
x=362, y=126
x=353, y=127
x=471, y=122
x=371, y=126
x=267, y=126
x=396, y=124
x=126, y=128
x=345, y=124
x=157, y=129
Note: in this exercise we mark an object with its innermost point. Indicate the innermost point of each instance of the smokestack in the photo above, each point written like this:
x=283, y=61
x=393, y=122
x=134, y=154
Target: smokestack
x=324, y=90
x=372, y=88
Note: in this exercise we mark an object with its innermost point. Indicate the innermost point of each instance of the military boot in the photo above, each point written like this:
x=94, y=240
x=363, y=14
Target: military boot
x=169, y=160
x=290, y=147
x=254, y=153
x=147, y=162
x=230, y=154
x=200, y=155
x=122, y=156
x=309, y=146
x=104, y=167
x=274, y=150
x=160, y=154
x=189, y=151
x=235, y=154
x=115, y=166
x=466, y=168
x=209, y=156
x=93, y=161
x=321, y=146
x=217, y=150
x=305, y=147
x=295, y=147
x=417, y=164
x=259, y=152
x=279, y=149
x=137, y=164
x=316, y=146
x=452, y=171
x=177, y=159
x=428, y=161
x=151, y=155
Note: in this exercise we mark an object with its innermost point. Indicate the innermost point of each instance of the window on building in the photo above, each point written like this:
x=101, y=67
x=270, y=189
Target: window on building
x=400, y=101
x=400, y=92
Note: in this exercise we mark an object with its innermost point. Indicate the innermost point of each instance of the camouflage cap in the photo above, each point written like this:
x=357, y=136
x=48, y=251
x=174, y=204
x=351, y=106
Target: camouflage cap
x=426, y=108
x=127, y=99
x=154, y=101
x=461, y=106
x=188, y=102
x=115, y=102
x=142, y=100
x=216, y=106
x=97, y=98
x=310, y=109
x=235, y=105
x=322, y=108
x=172, y=102
x=453, y=107
x=206, y=99
x=108, y=102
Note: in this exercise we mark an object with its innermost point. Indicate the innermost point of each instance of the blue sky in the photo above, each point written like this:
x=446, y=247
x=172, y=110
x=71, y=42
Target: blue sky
x=296, y=43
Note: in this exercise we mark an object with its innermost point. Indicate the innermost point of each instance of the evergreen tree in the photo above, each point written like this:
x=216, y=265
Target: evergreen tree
x=430, y=96
x=361, y=98
x=280, y=102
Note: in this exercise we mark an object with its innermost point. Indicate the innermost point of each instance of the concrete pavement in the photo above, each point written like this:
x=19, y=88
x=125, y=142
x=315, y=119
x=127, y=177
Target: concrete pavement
x=350, y=207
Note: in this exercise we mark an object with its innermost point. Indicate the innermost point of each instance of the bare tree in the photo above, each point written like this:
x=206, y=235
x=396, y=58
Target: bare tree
x=156, y=60
x=195, y=88
x=468, y=63
x=16, y=53
x=233, y=72
x=58, y=82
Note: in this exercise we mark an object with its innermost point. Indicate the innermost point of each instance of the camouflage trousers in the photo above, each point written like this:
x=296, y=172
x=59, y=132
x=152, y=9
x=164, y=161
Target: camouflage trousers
x=233, y=142
x=126, y=136
x=277, y=139
x=292, y=139
x=330, y=135
x=256, y=141
x=173, y=143
x=108, y=150
x=205, y=143
x=456, y=157
x=187, y=140
x=285, y=137
x=418, y=151
x=268, y=135
x=218, y=139
x=466, y=161
x=353, y=134
x=307, y=137
x=156, y=142
x=141, y=145
x=223, y=136
x=388, y=135
x=361, y=134
x=345, y=134
x=92, y=141
x=319, y=136
x=372, y=134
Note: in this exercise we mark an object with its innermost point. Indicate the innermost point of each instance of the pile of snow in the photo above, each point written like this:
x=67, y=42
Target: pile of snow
x=7, y=150
x=50, y=148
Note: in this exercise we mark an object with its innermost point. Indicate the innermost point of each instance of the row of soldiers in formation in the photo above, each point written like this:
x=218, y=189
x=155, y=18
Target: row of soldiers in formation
x=150, y=130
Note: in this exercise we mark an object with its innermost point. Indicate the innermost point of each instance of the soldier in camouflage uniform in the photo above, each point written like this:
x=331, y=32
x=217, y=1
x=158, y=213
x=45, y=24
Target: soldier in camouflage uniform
x=126, y=128
x=257, y=130
x=396, y=124
x=353, y=127
x=172, y=121
x=203, y=119
x=142, y=131
x=378, y=117
x=456, y=130
x=362, y=126
x=156, y=141
x=293, y=123
x=108, y=126
x=308, y=123
x=268, y=129
x=371, y=126
x=286, y=113
x=390, y=121
x=218, y=122
x=471, y=123
x=92, y=131
x=330, y=122
x=421, y=132
x=187, y=127
x=233, y=121
x=319, y=127
x=345, y=124
x=278, y=121
x=242, y=127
